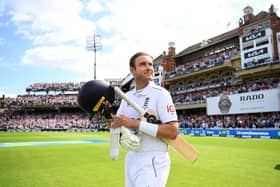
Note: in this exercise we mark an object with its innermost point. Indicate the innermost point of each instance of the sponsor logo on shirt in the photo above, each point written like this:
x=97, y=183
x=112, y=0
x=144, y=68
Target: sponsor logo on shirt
x=170, y=108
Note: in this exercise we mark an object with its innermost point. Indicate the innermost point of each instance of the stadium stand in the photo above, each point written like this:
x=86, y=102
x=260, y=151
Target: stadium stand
x=239, y=65
x=48, y=107
x=242, y=63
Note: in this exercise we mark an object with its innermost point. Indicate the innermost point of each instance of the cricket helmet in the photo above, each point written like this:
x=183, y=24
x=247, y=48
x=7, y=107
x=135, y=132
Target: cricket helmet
x=96, y=96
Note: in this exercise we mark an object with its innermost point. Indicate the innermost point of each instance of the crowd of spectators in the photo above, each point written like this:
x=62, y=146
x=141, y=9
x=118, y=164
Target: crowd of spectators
x=79, y=121
x=54, y=87
x=182, y=93
x=29, y=101
x=33, y=100
x=197, y=93
x=57, y=100
x=255, y=120
x=203, y=63
x=50, y=121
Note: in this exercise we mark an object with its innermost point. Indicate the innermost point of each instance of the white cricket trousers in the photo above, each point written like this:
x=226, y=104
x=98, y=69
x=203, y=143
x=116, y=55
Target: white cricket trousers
x=146, y=169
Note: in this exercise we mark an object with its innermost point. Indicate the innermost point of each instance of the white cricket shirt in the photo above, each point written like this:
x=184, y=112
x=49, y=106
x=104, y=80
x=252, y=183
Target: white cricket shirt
x=158, y=100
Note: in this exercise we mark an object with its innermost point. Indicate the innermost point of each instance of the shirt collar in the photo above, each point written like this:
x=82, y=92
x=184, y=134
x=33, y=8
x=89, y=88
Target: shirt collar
x=143, y=91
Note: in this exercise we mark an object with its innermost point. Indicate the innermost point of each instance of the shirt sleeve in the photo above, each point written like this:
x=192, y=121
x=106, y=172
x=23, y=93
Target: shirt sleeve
x=166, y=108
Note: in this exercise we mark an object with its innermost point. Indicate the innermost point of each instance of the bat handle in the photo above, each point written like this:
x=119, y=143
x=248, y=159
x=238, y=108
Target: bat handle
x=129, y=101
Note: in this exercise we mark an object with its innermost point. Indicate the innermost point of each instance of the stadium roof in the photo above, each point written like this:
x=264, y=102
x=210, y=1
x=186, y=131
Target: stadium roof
x=212, y=41
x=228, y=35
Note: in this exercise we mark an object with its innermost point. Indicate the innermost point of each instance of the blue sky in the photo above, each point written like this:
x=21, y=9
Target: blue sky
x=44, y=41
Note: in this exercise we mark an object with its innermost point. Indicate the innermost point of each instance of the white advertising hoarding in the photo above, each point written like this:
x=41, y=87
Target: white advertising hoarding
x=250, y=102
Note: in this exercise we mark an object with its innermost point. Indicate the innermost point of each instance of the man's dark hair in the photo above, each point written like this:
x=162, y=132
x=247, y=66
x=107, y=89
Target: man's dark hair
x=132, y=59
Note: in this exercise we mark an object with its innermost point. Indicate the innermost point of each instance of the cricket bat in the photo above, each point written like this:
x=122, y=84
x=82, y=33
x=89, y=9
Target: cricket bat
x=179, y=144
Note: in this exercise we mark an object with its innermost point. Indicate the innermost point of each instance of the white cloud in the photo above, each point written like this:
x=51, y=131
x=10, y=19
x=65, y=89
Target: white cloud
x=94, y=6
x=150, y=25
x=58, y=31
x=51, y=21
x=61, y=57
x=77, y=59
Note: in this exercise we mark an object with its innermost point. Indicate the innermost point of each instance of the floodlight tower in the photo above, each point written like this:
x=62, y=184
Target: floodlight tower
x=94, y=44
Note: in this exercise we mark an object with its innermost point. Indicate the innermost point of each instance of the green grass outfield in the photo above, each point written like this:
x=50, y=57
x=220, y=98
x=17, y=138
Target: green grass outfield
x=223, y=162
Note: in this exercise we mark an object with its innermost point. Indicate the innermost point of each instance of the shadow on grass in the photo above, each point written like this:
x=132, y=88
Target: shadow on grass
x=277, y=167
